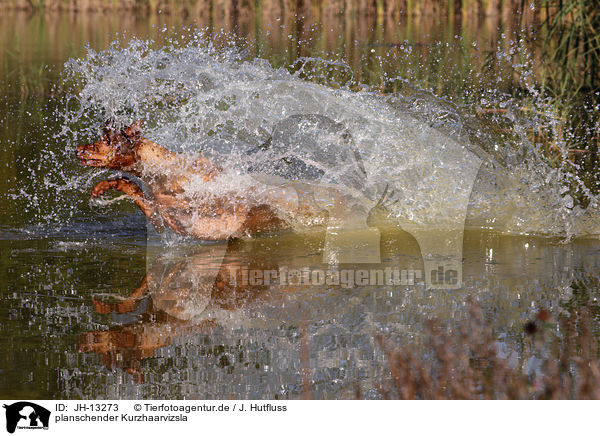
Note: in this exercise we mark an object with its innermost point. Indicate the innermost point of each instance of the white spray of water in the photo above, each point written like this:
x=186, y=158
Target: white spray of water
x=411, y=155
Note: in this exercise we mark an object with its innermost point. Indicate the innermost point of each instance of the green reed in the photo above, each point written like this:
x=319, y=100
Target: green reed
x=572, y=41
x=571, y=76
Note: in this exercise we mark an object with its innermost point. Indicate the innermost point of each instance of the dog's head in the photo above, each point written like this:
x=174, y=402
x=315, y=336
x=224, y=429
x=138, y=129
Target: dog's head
x=116, y=149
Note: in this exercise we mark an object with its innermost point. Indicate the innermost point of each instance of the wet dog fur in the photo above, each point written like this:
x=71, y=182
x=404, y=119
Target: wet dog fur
x=164, y=174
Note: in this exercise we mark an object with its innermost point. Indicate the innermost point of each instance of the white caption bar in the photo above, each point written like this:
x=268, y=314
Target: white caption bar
x=293, y=417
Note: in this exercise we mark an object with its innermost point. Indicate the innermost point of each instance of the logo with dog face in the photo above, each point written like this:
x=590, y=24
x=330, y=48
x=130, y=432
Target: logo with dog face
x=26, y=415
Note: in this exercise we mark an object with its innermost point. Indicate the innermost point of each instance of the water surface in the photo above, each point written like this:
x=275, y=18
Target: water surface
x=73, y=324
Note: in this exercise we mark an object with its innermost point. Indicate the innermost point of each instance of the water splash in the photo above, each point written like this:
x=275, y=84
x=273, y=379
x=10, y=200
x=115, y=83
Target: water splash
x=409, y=153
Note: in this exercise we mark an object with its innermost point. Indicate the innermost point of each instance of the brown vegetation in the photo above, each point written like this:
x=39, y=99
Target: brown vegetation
x=466, y=363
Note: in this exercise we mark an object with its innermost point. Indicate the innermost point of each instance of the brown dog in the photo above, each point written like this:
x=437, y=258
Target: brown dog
x=164, y=173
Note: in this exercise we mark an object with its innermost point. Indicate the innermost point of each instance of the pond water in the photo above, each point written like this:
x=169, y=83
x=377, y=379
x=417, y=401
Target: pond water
x=95, y=305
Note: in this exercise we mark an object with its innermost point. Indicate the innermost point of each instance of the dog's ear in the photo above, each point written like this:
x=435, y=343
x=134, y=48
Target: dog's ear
x=109, y=126
x=135, y=130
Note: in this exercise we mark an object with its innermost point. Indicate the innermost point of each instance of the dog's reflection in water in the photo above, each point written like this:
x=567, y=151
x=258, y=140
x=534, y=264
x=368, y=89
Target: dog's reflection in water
x=181, y=294
x=210, y=289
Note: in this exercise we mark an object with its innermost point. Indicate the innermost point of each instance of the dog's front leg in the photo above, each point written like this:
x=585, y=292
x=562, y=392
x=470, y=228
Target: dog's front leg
x=136, y=194
x=123, y=305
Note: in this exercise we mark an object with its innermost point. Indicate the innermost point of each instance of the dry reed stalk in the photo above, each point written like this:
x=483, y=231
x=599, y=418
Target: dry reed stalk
x=464, y=364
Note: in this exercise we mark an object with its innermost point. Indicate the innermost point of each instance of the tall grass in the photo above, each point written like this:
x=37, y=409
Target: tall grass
x=571, y=76
x=572, y=43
